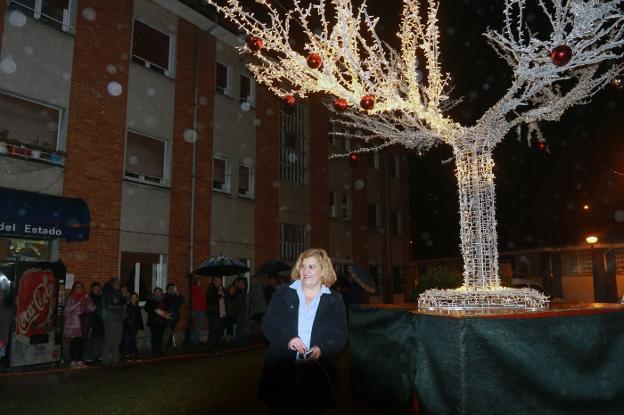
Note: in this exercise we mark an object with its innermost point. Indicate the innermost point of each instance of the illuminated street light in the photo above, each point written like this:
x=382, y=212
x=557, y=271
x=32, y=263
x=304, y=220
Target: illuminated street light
x=591, y=239
x=585, y=207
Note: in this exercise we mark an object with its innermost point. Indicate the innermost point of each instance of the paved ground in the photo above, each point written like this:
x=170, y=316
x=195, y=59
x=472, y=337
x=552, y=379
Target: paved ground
x=195, y=384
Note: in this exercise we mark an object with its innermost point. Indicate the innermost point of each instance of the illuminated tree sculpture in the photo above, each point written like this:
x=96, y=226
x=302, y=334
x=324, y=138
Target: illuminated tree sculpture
x=396, y=99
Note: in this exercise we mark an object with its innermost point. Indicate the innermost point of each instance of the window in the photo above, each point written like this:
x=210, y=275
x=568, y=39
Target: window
x=221, y=174
x=292, y=143
x=347, y=144
x=345, y=207
x=373, y=160
x=14, y=249
x=398, y=279
x=293, y=241
x=245, y=180
x=334, y=139
x=333, y=209
x=145, y=158
x=55, y=13
x=377, y=274
x=26, y=123
x=395, y=167
x=374, y=215
x=143, y=272
x=395, y=224
x=152, y=48
x=223, y=79
x=579, y=262
x=247, y=90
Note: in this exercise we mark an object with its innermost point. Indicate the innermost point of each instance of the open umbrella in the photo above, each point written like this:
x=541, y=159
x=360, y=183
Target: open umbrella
x=363, y=278
x=221, y=265
x=272, y=268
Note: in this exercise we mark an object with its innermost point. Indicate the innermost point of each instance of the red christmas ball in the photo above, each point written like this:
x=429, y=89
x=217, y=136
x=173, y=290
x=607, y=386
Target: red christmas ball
x=315, y=61
x=367, y=102
x=561, y=55
x=541, y=146
x=254, y=44
x=290, y=100
x=354, y=158
x=340, y=104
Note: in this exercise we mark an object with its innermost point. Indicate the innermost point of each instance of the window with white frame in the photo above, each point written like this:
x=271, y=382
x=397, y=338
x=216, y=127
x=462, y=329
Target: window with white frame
x=146, y=158
x=292, y=144
x=143, y=272
x=577, y=262
x=247, y=90
x=55, y=13
x=374, y=215
x=293, y=241
x=27, y=123
x=221, y=174
x=345, y=207
x=333, y=208
x=395, y=167
x=152, y=48
x=373, y=160
x=223, y=79
x=395, y=222
x=245, y=180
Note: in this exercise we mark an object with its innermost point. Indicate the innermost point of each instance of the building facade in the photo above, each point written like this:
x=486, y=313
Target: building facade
x=144, y=110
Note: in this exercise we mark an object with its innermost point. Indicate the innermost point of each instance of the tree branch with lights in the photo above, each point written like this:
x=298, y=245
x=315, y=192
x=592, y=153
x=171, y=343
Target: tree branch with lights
x=401, y=96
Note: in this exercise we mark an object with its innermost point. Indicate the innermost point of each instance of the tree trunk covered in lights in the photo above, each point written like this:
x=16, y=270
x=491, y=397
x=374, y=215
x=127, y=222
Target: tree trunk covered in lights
x=477, y=217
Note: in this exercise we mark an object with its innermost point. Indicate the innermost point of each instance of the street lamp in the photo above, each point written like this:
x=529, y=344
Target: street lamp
x=591, y=239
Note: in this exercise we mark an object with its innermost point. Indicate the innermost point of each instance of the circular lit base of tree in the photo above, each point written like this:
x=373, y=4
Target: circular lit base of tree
x=482, y=299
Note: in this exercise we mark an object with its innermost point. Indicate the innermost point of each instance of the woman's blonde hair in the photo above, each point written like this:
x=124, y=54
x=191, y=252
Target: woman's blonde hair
x=328, y=276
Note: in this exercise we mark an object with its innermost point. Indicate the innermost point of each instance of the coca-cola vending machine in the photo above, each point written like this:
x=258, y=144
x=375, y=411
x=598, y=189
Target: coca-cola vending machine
x=37, y=292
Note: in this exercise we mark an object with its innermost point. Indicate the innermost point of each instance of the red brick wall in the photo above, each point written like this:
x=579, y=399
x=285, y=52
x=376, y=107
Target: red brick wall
x=319, y=188
x=267, y=177
x=359, y=233
x=96, y=136
x=181, y=165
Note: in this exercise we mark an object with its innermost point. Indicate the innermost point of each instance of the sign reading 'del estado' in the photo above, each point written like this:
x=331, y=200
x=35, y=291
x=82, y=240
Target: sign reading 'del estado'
x=32, y=230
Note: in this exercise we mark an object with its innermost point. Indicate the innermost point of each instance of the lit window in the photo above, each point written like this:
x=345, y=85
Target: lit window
x=152, y=48
x=220, y=175
x=223, y=79
x=26, y=123
x=145, y=158
x=55, y=13
x=247, y=90
x=245, y=180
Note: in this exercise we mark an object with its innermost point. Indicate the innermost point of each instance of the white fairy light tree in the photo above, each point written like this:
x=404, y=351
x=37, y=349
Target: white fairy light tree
x=395, y=99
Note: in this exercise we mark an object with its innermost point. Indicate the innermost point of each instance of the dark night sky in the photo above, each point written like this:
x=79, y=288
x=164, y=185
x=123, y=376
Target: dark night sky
x=539, y=194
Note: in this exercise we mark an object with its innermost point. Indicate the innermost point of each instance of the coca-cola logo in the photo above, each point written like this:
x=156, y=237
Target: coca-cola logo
x=35, y=302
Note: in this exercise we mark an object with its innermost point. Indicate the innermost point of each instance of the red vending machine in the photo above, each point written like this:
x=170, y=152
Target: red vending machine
x=37, y=293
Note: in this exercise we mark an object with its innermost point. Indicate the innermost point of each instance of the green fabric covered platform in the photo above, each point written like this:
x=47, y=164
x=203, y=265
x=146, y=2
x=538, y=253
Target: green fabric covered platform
x=567, y=360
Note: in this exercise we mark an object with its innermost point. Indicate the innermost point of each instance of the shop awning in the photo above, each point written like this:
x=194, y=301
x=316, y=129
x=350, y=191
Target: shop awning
x=41, y=216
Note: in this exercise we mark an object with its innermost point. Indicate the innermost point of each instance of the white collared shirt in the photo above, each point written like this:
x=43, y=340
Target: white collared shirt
x=307, y=312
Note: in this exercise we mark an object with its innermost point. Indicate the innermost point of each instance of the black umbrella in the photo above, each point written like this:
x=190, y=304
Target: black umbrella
x=363, y=278
x=221, y=265
x=273, y=268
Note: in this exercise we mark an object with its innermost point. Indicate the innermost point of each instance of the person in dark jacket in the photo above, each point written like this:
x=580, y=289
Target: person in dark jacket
x=113, y=312
x=133, y=322
x=215, y=299
x=95, y=332
x=174, y=301
x=306, y=327
x=157, y=319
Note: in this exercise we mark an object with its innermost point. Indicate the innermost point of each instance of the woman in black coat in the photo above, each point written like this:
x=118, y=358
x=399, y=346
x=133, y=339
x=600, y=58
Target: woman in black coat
x=306, y=327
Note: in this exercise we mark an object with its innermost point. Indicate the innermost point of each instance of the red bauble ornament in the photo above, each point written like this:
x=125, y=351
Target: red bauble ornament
x=340, y=104
x=541, y=146
x=354, y=158
x=367, y=102
x=315, y=61
x=290, y=100
x=254, y=44
x=561, y=55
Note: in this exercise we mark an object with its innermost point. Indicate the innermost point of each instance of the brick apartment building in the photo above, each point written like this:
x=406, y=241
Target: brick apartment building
x=143, y=110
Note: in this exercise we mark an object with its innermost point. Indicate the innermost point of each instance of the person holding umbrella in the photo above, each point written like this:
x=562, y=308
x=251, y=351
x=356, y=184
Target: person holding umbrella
x=306, y=326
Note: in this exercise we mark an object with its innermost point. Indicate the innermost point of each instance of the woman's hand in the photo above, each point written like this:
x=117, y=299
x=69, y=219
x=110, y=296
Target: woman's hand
x=297, y=344
x=315, y=353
